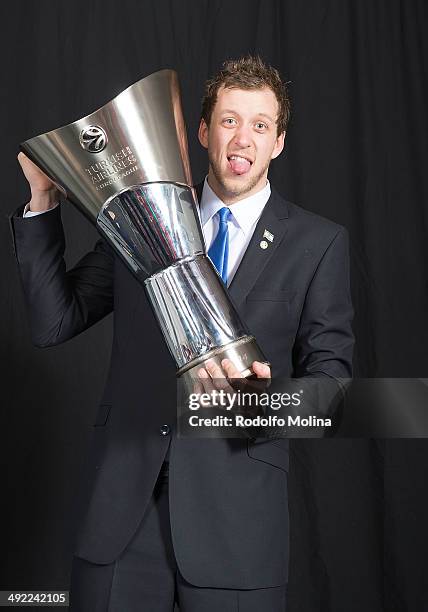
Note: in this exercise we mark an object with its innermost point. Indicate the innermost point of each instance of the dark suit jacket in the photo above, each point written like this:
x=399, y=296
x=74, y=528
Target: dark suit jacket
x=228, y=497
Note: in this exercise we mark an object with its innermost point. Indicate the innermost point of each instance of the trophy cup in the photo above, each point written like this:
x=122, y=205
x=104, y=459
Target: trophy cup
x=126, y=168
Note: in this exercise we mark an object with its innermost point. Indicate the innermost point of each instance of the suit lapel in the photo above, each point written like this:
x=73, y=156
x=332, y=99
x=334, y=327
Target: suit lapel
x=256, y=259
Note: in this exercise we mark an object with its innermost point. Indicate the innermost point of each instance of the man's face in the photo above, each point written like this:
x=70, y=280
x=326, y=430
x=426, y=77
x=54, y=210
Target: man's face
x=241, y=141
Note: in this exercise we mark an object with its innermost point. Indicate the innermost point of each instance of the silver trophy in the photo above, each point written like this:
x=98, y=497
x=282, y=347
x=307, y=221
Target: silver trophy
x=126, y=167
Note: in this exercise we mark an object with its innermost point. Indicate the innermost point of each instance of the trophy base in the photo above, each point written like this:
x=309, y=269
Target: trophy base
x=241, y=352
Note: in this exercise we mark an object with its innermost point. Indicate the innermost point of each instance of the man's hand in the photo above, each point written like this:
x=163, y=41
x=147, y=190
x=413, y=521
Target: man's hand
x=229, y=370
x=227, y=387
x=44, y=193
x=227, y=377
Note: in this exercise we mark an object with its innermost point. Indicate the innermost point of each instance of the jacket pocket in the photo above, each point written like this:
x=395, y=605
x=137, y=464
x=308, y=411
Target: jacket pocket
x=102, y=415
x=270, y=296
x=269, y=452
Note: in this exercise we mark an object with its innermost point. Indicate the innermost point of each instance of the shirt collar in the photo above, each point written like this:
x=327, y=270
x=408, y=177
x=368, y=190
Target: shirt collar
x=244, y=212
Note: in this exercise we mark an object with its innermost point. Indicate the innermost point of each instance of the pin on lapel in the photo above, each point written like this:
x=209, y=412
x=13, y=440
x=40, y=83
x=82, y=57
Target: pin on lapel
x=266, y=234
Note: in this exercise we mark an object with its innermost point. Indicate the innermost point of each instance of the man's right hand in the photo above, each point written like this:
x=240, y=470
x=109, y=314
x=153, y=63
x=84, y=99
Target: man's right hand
x=44, y=193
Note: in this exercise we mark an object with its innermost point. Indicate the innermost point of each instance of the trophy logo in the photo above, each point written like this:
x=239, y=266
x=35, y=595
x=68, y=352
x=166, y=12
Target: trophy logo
x=93, y=139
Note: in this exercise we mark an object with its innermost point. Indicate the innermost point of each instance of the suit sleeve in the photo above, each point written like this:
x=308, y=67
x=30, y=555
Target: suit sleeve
x=60, y=303
x=324, y=342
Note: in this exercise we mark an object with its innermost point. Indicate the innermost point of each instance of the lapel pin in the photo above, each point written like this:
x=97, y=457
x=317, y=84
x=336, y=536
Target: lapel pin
x=268, y=236
x=264, y=244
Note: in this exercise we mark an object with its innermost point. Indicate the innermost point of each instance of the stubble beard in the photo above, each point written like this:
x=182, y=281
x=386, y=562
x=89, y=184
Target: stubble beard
x=232, y=189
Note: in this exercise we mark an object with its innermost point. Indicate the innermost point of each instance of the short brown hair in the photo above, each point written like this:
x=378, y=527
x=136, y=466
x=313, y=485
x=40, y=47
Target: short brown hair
x=249, y=72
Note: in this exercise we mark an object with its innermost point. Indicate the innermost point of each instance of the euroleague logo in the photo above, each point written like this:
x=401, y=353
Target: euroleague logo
x=93, y=139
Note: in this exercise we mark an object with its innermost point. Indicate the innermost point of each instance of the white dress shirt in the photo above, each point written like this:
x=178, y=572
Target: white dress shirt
x=241, y=224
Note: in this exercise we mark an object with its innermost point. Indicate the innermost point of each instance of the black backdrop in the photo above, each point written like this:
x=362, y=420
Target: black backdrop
x=356, y=152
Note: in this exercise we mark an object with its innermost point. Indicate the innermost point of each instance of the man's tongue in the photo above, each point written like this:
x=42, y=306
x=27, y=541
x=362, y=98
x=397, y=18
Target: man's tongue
x=240, y=165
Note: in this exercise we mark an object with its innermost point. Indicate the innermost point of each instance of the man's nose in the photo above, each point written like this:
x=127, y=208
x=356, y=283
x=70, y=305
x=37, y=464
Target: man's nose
x=243, y=136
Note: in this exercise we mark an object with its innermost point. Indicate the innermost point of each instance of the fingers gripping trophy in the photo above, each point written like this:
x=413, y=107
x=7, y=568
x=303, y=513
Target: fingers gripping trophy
x=126, y=168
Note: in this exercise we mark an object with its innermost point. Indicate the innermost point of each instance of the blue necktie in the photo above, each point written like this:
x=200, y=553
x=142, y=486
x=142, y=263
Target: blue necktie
x=219, y=250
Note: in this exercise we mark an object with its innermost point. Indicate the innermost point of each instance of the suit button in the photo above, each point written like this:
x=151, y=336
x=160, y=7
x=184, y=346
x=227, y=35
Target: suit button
x=164, y=429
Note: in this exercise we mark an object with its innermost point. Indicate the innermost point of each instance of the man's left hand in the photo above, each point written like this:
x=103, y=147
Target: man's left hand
x=213, y=377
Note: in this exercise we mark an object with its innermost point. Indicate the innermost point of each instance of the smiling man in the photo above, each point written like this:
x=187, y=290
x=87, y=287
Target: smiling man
x=162, y=518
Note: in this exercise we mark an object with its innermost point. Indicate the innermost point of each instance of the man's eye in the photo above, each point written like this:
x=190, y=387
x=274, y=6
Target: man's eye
x=229, y=121
x=261, y=126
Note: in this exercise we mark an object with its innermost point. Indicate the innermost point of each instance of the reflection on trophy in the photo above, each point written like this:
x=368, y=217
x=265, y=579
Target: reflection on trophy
x=126, y=167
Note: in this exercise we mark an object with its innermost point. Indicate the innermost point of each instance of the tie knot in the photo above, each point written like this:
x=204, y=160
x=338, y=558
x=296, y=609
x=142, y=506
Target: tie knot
x=224, y=214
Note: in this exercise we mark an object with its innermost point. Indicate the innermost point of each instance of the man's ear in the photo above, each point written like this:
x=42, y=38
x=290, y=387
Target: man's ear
x=203, y=133
x=279, y=145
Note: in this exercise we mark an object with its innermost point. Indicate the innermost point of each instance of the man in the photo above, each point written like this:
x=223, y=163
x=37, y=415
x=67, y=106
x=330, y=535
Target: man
x=214, y=533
